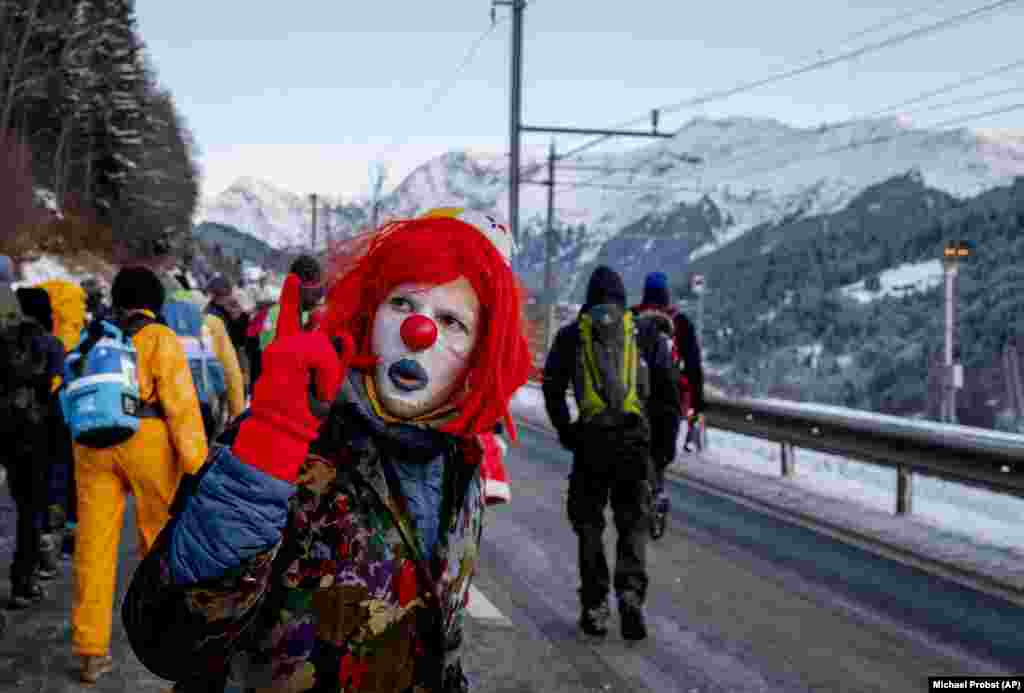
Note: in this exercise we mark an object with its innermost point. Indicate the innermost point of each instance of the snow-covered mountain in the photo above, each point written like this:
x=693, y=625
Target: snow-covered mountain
x=704, y=188
x=280, y=218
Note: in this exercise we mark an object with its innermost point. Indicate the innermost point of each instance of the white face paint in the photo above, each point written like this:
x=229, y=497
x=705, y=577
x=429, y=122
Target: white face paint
x=412, y=381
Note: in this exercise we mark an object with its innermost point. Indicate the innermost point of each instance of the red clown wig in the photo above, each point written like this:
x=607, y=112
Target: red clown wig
x=437, y=251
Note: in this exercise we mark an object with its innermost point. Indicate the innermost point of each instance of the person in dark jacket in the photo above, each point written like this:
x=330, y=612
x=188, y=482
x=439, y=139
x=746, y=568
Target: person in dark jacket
x=56, y=460
x=656, y=296
x=224, y=304
x=657, y=320
x=608, y=465
x=28, y=463
x=221, y=294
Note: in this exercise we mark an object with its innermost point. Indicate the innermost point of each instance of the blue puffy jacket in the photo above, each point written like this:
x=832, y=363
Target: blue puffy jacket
x=235, y=513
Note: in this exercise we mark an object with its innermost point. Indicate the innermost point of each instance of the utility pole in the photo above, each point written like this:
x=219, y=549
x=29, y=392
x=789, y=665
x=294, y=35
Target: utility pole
x=516, y=128
x=1012, y=378
x=699, y=287
x=553, y=158
x=549, y=254
x=515, y=109
x=328, y=226
x=312, y=199
x=953, y=377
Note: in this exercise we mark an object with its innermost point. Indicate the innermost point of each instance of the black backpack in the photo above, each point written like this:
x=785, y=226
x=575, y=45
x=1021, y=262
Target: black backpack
x=23, y=386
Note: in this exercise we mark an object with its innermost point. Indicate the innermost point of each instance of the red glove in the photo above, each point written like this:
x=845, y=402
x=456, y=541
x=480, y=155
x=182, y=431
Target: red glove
x=276, y=436
x=289, y=314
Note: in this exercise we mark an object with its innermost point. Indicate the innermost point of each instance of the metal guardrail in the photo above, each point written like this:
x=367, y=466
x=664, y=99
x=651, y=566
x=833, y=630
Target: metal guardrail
x=978, y=457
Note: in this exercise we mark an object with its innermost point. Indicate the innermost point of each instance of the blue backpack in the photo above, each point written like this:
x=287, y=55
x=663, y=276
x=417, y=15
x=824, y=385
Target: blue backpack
x=100, y=397
x=186, y=319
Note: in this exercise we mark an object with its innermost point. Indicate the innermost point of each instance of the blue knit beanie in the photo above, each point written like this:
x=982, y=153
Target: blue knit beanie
x=656, y=290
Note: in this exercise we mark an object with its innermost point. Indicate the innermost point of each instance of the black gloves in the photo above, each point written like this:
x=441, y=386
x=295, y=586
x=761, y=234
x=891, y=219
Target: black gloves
x=568, y=437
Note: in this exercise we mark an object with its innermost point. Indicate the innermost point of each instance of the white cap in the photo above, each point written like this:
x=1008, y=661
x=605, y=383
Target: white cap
x=487, y=224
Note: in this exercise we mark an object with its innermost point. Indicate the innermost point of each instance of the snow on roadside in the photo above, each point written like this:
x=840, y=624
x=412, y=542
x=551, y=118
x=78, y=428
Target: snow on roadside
x=982, y=516
x=985, y=516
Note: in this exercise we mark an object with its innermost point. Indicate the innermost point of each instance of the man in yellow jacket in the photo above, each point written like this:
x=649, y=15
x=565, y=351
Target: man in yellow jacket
x=149, y=465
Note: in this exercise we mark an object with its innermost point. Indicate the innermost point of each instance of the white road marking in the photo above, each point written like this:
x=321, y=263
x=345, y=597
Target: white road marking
x=481, y=608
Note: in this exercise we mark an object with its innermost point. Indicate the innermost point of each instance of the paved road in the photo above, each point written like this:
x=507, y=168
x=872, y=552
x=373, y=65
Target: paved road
x=739, y=602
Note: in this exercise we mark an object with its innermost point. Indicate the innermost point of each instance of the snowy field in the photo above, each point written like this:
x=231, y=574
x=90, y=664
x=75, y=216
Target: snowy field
x=984, y=517
x=899, y=281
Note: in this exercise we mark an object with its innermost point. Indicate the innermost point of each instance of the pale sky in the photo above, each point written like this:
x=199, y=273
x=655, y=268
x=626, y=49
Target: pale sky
x=306, y=95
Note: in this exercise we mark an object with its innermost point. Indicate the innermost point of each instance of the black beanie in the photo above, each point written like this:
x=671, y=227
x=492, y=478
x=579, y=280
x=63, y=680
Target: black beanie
x=137, y=288
x=35, y=303
x=306, y=267
x=605, y=286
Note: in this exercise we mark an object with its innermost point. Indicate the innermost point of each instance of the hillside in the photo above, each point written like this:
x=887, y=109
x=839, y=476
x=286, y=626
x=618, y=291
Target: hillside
x=847, y=308
x=235, y=243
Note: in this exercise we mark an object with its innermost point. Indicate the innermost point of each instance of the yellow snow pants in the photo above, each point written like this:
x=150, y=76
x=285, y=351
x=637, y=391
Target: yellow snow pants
x=144, y=466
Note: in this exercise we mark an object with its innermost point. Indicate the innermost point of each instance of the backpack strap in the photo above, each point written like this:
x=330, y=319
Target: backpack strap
x=131, y=325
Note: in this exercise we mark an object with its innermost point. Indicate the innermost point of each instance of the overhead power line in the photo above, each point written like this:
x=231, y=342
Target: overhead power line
x=917, y=33
x=878, y=26
x=446, y=86
x=651, y=187
x=919, y=98
x=816, y=64
x=911, y=35
x=881, y=139
x=956, y=84
x=965, y=100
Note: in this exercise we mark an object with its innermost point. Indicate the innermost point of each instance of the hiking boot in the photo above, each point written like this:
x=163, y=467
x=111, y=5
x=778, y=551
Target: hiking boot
x=67, y=548
x=659, y=515
x=594, y=621
x=57, y=517
x=93, y=667
x=25, y=593
x=631, y=617
x=45, y=574
x=48, y=550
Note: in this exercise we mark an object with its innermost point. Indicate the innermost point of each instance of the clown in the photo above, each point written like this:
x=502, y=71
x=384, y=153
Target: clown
x=333, y=544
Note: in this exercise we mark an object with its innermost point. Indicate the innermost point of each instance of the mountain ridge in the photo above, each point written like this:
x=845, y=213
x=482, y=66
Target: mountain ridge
x=754, y=171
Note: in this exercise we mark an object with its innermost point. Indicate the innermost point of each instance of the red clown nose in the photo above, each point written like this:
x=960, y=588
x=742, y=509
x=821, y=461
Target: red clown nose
x=419, y=332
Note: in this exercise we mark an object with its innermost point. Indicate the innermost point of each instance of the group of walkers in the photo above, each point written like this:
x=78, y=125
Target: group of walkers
x=636, y=374
x=70, y=497
x=310, y=511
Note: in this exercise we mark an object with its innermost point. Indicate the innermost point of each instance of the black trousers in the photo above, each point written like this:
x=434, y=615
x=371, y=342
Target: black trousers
x=28, y=480
x=62, y=472
x=664, y=436
x=658, y=483
x=602, y=474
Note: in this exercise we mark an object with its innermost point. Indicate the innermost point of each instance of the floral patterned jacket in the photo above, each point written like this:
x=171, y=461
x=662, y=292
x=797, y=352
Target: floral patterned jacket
x=349, y=601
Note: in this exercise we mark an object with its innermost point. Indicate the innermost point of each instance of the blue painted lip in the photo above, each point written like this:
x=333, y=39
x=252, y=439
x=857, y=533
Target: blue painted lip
x=408, y=376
